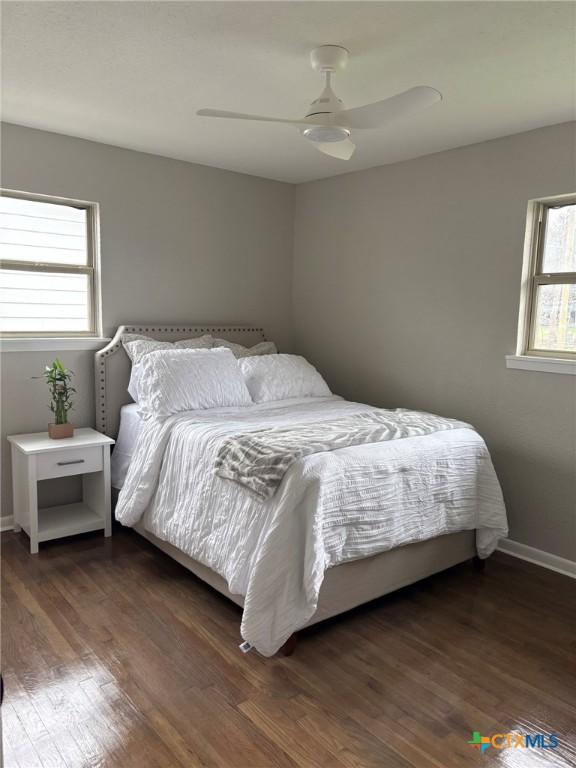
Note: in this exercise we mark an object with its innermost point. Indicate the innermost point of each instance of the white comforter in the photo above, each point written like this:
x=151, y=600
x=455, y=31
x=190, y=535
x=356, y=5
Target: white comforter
x=330, y=507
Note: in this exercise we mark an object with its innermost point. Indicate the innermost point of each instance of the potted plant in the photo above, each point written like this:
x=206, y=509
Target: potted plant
x=59, y=381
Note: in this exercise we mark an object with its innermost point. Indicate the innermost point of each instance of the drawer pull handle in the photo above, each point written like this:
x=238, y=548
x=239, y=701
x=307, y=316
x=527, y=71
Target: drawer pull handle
x=66, y=463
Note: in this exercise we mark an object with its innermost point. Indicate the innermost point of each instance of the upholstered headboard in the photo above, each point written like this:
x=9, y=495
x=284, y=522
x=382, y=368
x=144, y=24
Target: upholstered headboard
x=112, y=365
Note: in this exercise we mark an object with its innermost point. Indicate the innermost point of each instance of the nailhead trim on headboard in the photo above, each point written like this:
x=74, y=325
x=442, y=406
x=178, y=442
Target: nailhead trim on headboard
x=115, y=345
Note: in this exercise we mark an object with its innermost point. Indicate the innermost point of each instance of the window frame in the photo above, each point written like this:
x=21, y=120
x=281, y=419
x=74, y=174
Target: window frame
x=533, y=276
x=91, y=268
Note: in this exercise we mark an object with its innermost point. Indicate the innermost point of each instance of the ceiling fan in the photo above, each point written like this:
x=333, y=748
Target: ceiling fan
x=327, y=124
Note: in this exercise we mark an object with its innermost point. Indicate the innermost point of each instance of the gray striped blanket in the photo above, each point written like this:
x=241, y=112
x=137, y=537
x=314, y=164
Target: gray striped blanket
x=259, y=460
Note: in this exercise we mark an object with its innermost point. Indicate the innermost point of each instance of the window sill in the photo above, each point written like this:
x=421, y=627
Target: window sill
x=544, y=364
x=52, y=345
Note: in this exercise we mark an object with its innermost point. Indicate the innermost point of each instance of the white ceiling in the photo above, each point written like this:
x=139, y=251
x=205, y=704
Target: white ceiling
x=133, y=74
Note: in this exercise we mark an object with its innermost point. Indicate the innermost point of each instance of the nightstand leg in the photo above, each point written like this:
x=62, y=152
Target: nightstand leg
x=33, y=504
x=18, y=496
x=25, y=494
x=107, y=493
x=96, y=492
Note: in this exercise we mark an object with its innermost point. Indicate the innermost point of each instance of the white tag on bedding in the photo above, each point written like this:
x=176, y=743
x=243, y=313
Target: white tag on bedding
x=245, y=647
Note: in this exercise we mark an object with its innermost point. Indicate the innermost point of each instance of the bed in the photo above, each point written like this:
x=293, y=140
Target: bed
x=293, y=584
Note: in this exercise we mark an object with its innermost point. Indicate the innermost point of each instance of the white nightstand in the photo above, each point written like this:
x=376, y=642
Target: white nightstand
x=37, y=457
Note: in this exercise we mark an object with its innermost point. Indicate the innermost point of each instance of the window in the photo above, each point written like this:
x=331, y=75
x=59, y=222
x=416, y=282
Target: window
x=548, y=308
x=49, y=282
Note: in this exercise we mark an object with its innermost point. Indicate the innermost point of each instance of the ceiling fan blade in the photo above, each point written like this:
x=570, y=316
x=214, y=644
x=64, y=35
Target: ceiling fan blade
x=342, y=150
x=242, y=116
x=381, y=112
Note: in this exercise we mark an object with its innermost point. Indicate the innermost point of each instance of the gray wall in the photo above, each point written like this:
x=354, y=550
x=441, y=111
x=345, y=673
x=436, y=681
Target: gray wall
x=180, y=243
x=406, y=291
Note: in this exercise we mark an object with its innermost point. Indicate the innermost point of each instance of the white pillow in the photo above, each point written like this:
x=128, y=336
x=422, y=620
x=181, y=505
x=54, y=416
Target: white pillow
x=262, y=348
x=176, y=380
x=279, y=377
x=137, y=346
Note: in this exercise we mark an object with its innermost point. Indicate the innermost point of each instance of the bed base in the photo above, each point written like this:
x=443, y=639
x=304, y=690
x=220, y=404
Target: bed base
x=353, y=583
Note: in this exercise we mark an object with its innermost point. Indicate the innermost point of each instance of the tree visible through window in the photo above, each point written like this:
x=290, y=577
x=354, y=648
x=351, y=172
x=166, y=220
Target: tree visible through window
x=551, y=286
x=48, y=279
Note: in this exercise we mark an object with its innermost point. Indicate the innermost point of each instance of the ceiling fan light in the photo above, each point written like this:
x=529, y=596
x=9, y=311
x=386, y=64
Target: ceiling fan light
x=326, y=133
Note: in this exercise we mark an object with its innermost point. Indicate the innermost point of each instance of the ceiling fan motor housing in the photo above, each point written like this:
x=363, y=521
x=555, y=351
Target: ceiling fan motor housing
x=326, y=103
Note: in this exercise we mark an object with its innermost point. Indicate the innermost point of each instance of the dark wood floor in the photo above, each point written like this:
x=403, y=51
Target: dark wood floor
x=113, y=655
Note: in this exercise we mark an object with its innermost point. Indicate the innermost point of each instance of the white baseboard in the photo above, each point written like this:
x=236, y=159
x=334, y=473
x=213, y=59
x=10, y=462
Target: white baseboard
x=6, y=523
x=538, y=557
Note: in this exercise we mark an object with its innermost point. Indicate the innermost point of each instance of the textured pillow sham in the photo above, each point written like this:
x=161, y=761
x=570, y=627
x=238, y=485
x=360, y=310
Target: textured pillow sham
x=137, y=382
x=177, y=380
x=280, y=377
x=240, y=351
x=137, y=346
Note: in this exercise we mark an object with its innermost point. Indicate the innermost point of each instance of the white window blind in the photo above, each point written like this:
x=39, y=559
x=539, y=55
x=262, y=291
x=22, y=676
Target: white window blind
x=48, y=278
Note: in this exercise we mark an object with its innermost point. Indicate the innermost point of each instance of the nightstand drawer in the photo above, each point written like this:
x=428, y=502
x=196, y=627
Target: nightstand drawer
x=67, y=462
